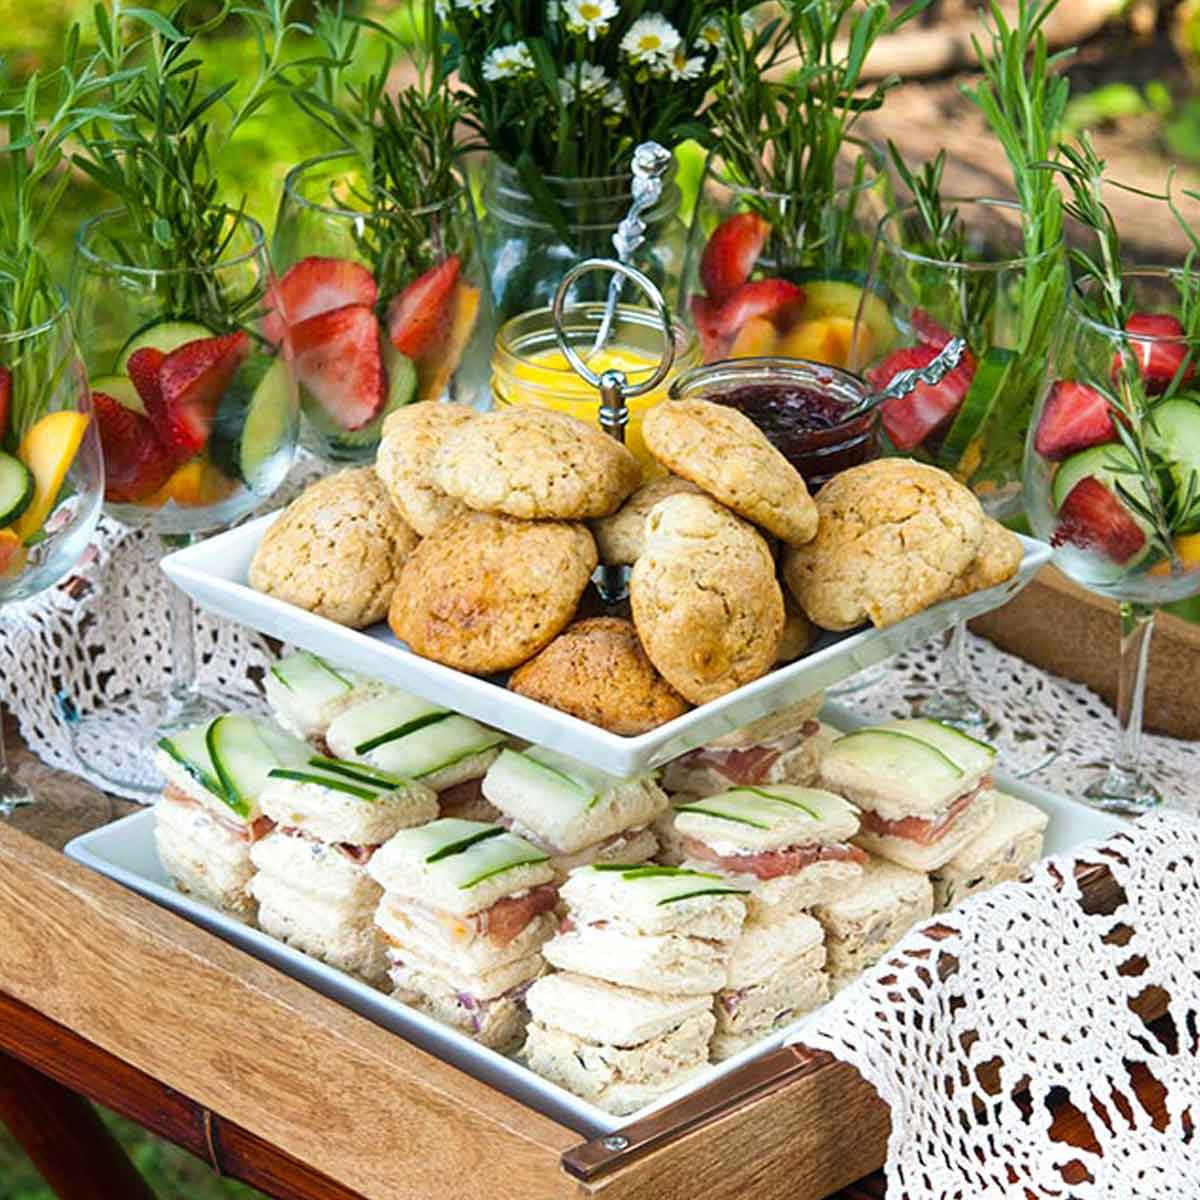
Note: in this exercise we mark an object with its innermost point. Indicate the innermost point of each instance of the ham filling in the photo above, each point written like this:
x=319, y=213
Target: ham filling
x=358, y=855
x=748, y=765
x=922, y=830
x=771, y=864
x=252, y=831
x=501, y=924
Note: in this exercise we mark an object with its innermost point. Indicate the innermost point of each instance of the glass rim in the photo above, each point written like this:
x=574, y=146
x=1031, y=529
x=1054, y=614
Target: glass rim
x=7, y=337
x=624, y=177
x=990, y=266
x=865, y=148
x=258, y=248
x=292, y=178
x=1125, y=335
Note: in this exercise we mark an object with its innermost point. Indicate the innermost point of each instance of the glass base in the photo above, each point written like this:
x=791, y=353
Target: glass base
x=13, y=795
x=1119, y=791
x=117, y=743
x=961, y=710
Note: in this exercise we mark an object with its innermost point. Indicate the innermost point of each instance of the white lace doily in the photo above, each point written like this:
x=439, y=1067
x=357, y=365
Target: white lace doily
x=971, y=1038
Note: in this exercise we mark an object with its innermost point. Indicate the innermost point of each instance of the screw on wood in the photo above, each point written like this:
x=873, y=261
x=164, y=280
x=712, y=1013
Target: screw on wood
x=615, y=1142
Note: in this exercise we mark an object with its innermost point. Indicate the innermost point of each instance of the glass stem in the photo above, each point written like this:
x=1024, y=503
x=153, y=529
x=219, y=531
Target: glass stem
x=181, y=630
x=13, y=794
x=1137, y=625
x=954, y=674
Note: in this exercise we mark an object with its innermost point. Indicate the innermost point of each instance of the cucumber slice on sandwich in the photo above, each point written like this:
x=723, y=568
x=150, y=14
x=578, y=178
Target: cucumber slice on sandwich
x=890, y=752
x=489, y=857
x=244, y=751
x=964, y=751
x=439, y=742
x=668, y=885
x=335, y=783
x=444, y=837
x=380, y=720
x=189, y=748
x=360, y=772
x=310, y=678
x=744, y=806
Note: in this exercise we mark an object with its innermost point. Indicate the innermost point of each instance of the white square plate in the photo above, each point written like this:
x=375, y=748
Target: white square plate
x=125, y=852
x=213, y=573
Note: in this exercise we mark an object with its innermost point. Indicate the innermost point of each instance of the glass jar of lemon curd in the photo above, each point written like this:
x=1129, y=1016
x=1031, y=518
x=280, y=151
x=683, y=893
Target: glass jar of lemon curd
x=529, y=368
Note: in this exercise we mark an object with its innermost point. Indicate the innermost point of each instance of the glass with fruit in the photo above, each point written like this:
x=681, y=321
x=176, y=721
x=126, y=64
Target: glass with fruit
x=197, y=415
x=51, y=473
x=1112, y=474
x=381, y=305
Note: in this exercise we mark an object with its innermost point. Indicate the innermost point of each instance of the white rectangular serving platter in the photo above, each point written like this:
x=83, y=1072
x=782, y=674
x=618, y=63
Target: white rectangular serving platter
x=213, y=573
x=125, y=852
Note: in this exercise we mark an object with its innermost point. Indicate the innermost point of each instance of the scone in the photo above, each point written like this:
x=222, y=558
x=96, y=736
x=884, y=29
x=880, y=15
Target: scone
x=995, y=562
x=894, y=537
x=722, y=451
x=621, y=538
x=336, y=550
x=797, y=631
x=485, y=593
x=706, y=603
x=537, y=464
x=596, y=670
x=412, y=436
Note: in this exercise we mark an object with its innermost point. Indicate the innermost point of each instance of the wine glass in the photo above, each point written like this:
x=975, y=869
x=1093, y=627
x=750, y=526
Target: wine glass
x=401, y=293
x=1004, y=304
x=1112, y=478
x=197, y=415
x=51, y=473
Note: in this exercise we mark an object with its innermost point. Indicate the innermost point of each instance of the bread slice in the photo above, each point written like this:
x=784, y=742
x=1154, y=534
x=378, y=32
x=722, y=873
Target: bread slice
x=963, y=830
x=204, y=859
x=498, y=1024
x=1003, y=851
x=602, y=1012
x=315, y=869
x=763, y=946
x=632, y=846
x=786, y=723
x=634, y=906
x=773, y=899
x=474, y=766
x=665, y=962
x=331, y=815
x=796, y=765
x=618, y=1079
x=797, y=986
x=753, y=820
x=181, y=780
x=429, y=978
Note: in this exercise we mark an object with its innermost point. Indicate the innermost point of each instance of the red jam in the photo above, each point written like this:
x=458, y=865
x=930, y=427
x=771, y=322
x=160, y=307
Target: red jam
x=806, y=425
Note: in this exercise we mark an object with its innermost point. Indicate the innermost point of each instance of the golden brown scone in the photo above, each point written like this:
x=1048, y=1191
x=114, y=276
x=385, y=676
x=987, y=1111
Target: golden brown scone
x=995, y=562
x=894, y=536
x=706, y=603
x=412, y=435
x=485, y=592
x=537, y=464
x=797, y=631
x=596, y=670
x=336, y=550
x=620, y=538
x=722, y=451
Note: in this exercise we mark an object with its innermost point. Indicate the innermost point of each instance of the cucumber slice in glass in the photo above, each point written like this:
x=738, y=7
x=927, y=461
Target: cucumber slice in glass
x=16, y=488
x=267, y=428
x=162, y=335
x=986, y=388
x=121, y=389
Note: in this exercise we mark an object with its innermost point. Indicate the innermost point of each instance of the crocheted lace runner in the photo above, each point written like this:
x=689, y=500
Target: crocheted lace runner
x=969, y=1038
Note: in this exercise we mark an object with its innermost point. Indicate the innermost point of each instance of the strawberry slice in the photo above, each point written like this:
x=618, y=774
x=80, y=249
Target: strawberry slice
x=730, y=254
x=929, y=332
x=705, y=315
x=315, y=285
x=1075, y=417
x=5, y=400
x=1158, y=348
x=1091, y=517
x=143, y=368
x=776, y=299
x=136, y=464
x=191, y=382
x=928, y=408
x=419, y=318
x=339, y=362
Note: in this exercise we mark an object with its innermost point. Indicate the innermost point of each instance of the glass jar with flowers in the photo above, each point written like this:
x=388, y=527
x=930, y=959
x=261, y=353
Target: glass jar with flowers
x=561, y=92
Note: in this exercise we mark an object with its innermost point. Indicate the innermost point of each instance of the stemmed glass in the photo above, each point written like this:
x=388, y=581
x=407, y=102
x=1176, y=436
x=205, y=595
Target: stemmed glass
x=1112, y=478
x=197, y=415
x=51, y=473
x=972, y=424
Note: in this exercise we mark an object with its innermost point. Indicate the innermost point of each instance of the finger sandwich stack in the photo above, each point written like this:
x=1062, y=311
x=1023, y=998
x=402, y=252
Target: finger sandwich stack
x=642, y=953
x=465, y=912
x=306, y=693
x=923, y=788
x=577, y=814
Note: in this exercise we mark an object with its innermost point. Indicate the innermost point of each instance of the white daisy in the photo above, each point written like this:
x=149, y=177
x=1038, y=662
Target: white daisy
x=507, y=62
x=651, y=40
x=593, y=83
x=551, y=12
x=590, y=16
x=614, y=101
x=709, y=35
x=476, y=7
x=682, y=67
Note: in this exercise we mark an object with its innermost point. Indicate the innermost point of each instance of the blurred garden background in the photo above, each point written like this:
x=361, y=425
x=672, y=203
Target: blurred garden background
x=1136, y=87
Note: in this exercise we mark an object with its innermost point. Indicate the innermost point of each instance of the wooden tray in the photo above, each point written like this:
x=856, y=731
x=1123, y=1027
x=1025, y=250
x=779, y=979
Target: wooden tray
x=362, y=1106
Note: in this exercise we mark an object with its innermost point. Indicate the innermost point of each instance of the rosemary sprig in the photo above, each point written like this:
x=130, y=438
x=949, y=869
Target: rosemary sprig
x=405, y=141
x=160, y=162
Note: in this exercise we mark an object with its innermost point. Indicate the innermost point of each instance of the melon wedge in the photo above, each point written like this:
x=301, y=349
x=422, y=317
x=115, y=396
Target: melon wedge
x=48, y=449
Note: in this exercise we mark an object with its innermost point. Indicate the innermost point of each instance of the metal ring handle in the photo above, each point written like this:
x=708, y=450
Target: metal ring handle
x=656, y=298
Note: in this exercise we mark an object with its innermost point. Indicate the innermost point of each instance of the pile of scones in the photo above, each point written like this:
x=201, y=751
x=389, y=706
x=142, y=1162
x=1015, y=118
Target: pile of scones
x=476, y=535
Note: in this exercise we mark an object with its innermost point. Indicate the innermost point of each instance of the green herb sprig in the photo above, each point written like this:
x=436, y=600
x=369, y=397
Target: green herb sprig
x=405, y=142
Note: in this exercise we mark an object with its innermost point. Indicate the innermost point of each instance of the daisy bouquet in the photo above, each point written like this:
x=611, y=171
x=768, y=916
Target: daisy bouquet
x=567, y=88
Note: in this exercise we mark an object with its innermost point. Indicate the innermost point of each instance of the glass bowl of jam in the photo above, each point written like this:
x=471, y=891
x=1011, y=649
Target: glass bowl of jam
x=820, y=418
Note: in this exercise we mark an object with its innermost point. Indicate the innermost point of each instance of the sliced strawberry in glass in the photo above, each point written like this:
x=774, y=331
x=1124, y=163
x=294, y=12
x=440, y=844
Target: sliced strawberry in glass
x=420, y=317
x=705, y=316
x=192, y=381
x=136, y=463
x=1092, y=518
x=929, y=332
x=1075, y=417
x=339, y=363
x=1158, y=356
x=316, y=285
x=776, y=299
x=930, y=407
x=730, y=254
x=143, y=368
